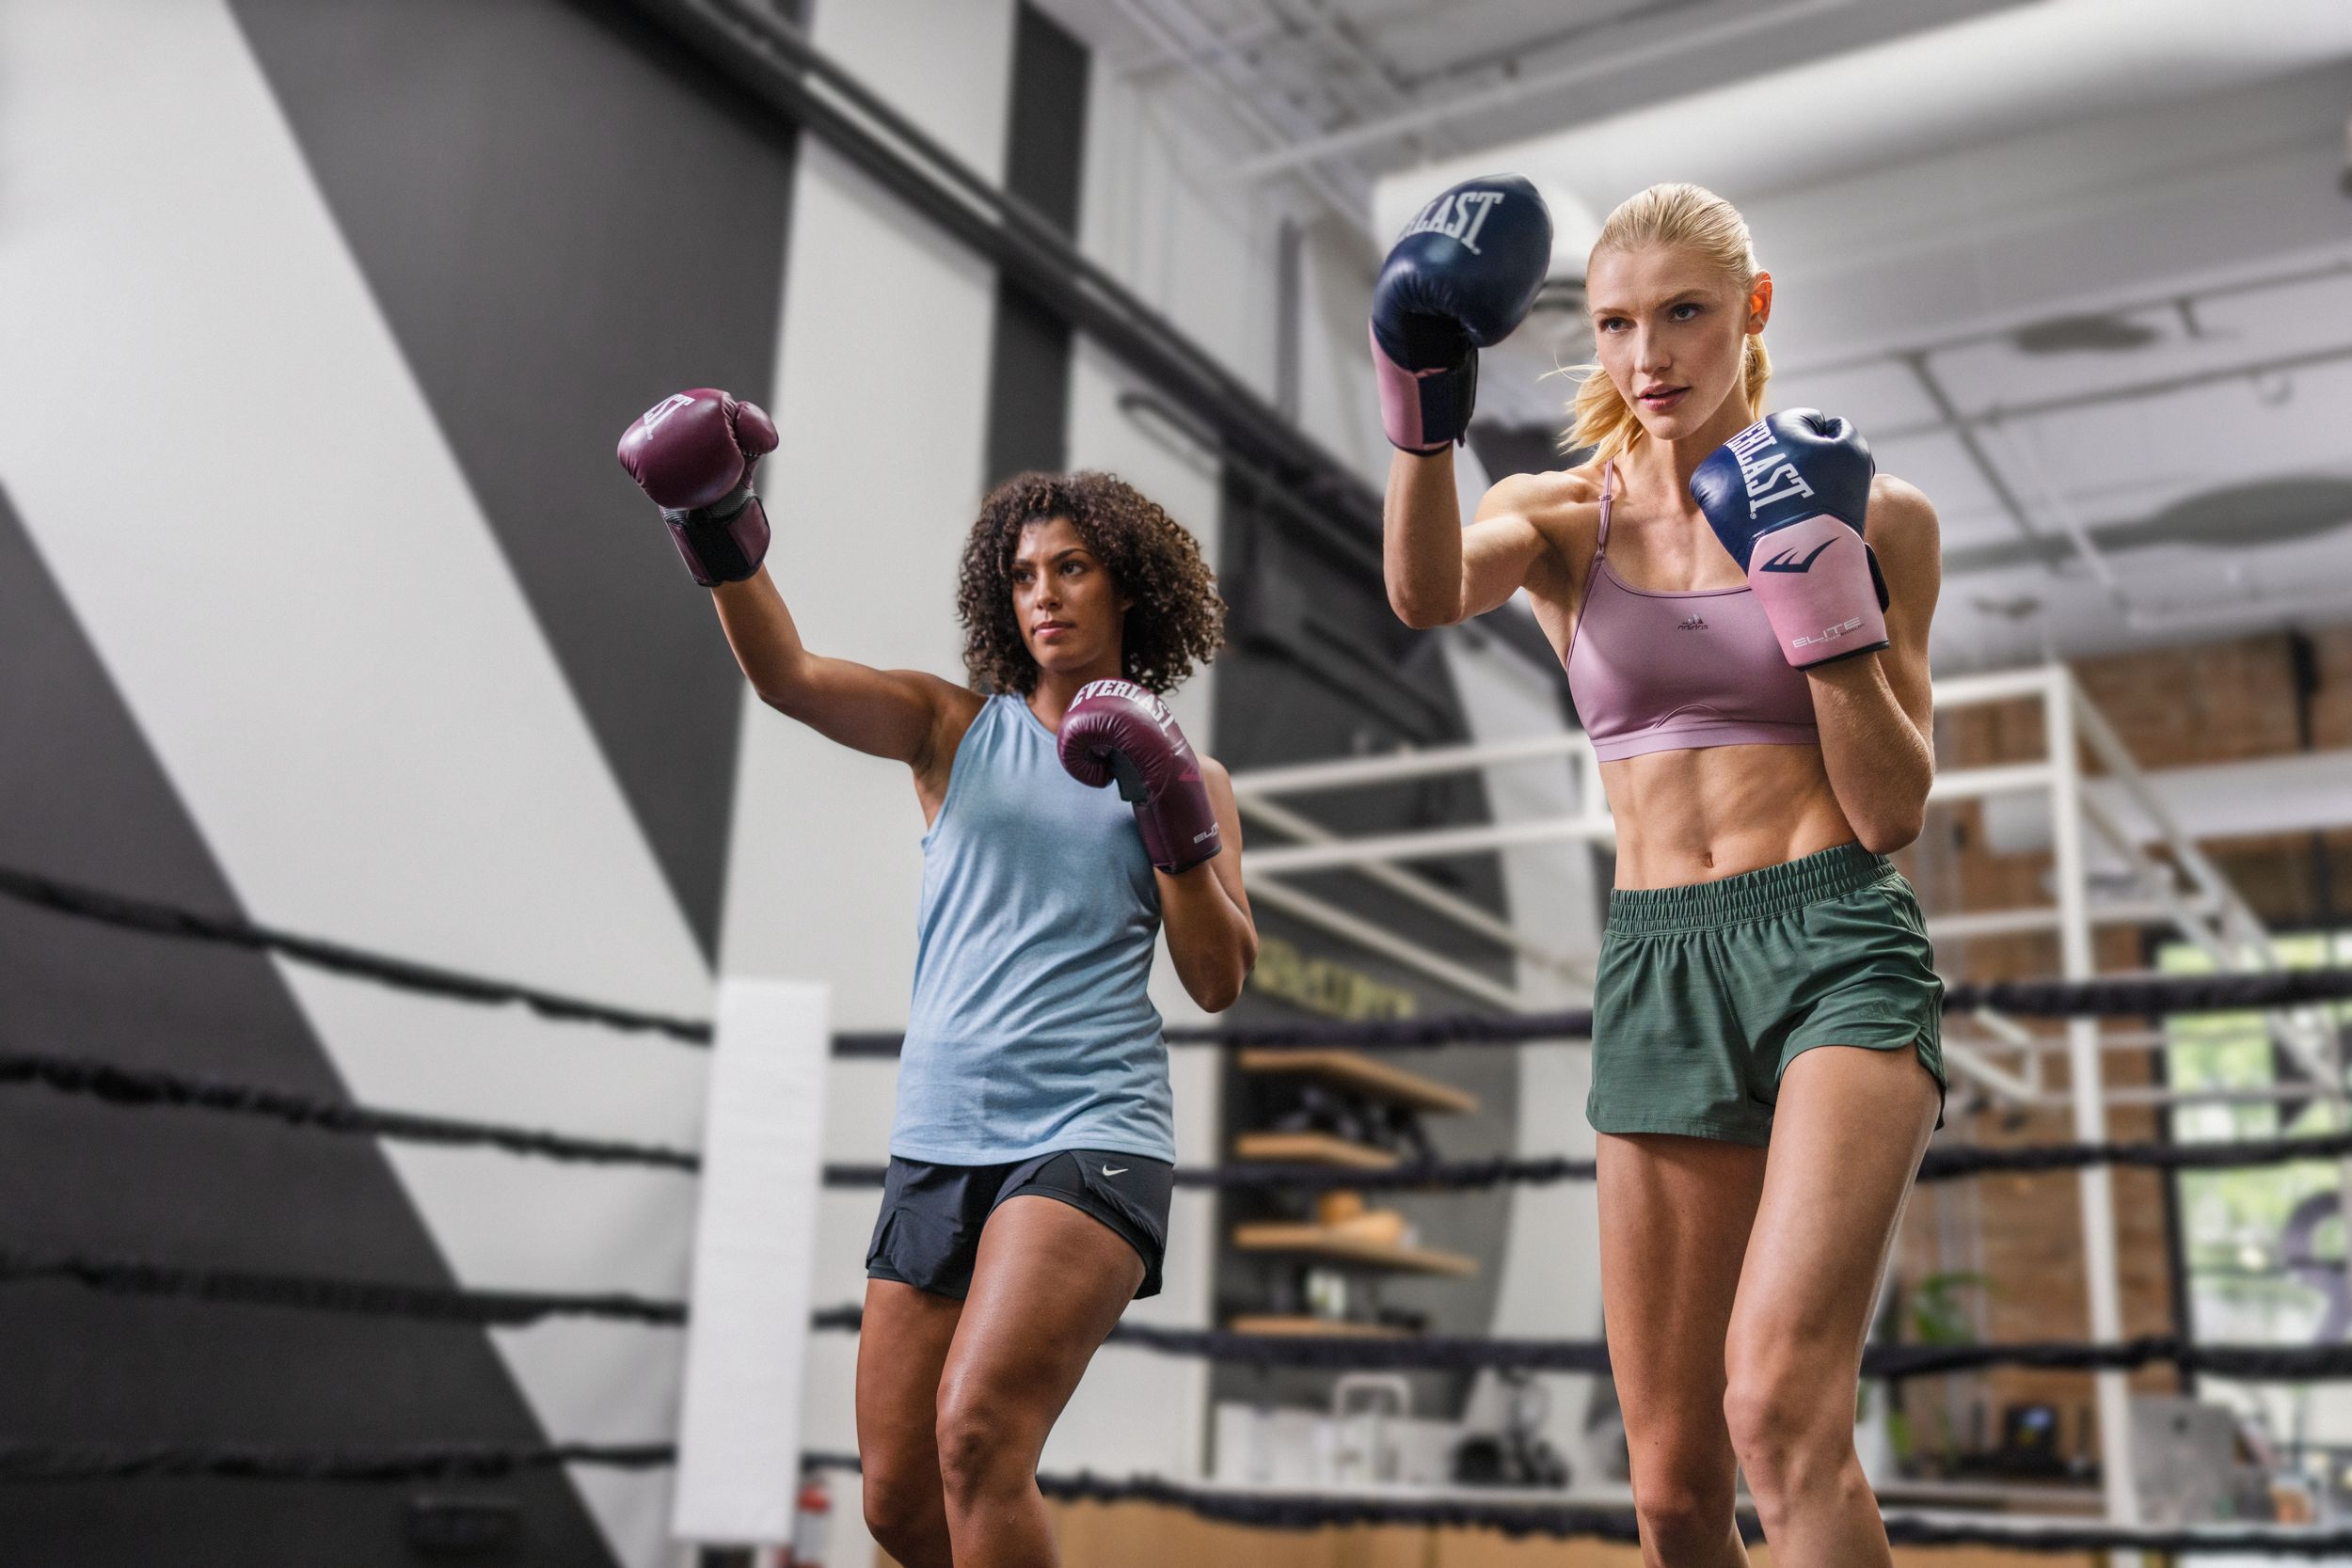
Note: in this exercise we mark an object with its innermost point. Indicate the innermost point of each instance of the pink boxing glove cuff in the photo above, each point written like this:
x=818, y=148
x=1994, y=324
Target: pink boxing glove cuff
x=1818, y=583
x=1424, y=411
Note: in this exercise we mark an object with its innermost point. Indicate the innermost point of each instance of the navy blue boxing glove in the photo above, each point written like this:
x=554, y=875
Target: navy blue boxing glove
x=1462, y=276
x=1788, y=496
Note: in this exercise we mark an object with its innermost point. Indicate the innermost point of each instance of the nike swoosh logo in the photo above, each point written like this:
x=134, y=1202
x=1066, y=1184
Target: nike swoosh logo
x=1787, y=560
x=1121, y=1171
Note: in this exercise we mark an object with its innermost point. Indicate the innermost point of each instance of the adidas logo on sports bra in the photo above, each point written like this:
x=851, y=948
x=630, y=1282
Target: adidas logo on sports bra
x=1692, y=623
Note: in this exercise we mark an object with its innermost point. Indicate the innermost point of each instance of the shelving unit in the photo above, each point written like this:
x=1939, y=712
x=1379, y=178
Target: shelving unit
x=1362, y=1074
x=1314, y=1241
x=1312, y=1149
x=1300, y=1326
x=1306, y=1246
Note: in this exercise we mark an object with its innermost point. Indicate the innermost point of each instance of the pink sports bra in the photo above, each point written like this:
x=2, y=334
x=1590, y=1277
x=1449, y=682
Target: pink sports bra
x=1656, y=672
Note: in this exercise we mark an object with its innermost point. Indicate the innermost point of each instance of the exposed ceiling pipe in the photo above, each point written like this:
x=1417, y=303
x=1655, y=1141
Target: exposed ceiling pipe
x=1486, y=99
x=1991, y=472
x=2027, y=461
x=1157, y=59
x=1509, y=59
x=1949, y=418
x=1337, y=32
x=2233, y=611
x=1207, y=57
x=1995, y=74
x=776, y=61
x=2001, y=326
x=2138, y=615
x=1395, y=97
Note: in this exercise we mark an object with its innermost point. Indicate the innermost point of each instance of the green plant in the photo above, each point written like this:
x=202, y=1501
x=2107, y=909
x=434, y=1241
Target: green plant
x=1932, y=1312
x=1936, y=1315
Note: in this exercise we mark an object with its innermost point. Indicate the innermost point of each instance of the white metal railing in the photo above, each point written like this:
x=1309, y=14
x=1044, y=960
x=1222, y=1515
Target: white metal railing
x=2210, y=914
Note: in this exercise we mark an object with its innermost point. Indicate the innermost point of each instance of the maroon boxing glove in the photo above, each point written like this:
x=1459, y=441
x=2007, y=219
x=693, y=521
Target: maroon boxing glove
x=1117, y=729
x=694, y=453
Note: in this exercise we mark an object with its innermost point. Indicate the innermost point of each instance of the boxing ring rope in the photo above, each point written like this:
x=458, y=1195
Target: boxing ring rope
x=166, y=919
x=134, y=1090
x=349, y=1297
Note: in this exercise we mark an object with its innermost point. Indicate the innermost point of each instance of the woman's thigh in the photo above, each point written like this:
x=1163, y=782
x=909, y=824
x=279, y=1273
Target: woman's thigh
x=1675, y=1217
x=1847, y=1137
x=901, y=1350
x=1048, y=1287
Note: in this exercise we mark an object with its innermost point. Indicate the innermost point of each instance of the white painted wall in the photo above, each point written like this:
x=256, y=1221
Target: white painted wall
x=381, y=746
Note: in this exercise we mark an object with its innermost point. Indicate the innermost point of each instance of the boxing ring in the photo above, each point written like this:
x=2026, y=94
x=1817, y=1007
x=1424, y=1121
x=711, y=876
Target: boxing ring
x=739, y=1464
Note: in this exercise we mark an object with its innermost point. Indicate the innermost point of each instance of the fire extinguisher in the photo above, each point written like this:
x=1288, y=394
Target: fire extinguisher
x=812, y=1517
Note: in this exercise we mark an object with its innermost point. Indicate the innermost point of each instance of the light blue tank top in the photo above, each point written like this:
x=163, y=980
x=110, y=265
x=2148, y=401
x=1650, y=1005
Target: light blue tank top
x=1031, y=1030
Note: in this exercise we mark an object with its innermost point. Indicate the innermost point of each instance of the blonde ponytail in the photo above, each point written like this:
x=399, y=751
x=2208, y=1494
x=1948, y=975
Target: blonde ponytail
x=1695, y=220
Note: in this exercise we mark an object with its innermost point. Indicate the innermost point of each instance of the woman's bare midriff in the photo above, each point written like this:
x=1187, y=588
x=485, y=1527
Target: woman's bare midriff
x=1699, y=817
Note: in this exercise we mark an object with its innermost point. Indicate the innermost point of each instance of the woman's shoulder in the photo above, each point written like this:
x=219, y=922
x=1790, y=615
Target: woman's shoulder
x=1563, y=506
x=1900, y=514
x=1903, y=529
x=1560, y=502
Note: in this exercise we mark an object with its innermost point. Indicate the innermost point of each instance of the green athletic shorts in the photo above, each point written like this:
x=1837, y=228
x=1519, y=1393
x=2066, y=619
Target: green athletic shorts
x=1707, y=993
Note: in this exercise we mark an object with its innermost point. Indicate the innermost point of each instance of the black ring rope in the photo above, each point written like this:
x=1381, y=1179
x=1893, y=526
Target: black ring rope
x=1516, y=1518
x=1941, y=1164
x=140, y=1087
x=135, y=1277
x=136, y=1088
x=1428, y=1353
x=1890, y=1363
x=166, y=919
x=2124, y=996
x=1960, y=1160
x=25, y=1461
x=1294, y=1511
x=52, y=1461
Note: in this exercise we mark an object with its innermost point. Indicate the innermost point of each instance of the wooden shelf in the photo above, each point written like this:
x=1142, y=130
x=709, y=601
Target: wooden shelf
x=1304, y=1327
x=1313, y=1149
x=1314, y=1241
x=1366, y=1075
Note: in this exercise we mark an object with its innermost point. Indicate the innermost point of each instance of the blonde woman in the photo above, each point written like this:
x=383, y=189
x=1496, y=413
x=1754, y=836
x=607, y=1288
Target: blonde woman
x=1742, y=609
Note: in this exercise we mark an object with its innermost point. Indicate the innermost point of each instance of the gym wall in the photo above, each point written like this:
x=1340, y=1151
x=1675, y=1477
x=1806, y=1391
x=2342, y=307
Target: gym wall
x=328, y=313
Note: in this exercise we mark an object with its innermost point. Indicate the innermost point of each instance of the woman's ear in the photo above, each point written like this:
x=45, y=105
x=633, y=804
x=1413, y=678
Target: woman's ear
x=1759, y=301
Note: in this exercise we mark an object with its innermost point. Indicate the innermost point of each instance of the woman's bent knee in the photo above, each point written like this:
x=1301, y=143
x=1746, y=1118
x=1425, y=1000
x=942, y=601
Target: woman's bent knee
x=1787, y=1431
x=980, y=1451
x=900, y=1502
x=1682, y=1521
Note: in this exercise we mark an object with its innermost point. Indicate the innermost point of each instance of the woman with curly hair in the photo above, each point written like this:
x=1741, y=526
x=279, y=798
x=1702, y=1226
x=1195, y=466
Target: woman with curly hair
x=1027, y=1197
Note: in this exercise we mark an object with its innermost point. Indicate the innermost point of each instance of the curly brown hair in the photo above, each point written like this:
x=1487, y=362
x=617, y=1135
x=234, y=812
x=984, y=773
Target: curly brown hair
x=1176, y=619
